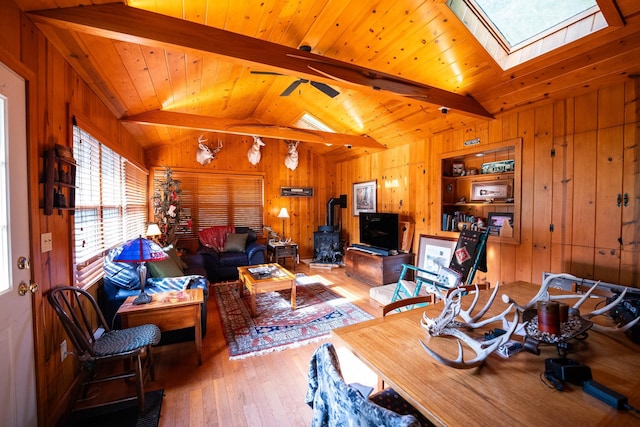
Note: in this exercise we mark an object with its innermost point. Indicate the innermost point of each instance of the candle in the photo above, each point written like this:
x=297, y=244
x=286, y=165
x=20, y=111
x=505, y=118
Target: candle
x=549, y=317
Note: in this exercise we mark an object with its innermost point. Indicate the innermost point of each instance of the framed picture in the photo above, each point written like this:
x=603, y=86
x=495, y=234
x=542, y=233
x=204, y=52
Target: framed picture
x=495, y=221
x=434, y=253
x=364, y=197
x=484, y=190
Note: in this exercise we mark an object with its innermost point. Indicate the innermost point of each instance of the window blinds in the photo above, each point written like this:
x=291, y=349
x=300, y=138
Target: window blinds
x=218, y=199
x=110, y=207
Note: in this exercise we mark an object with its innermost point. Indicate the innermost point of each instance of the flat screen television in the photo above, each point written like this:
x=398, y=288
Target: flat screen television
x=379, y=230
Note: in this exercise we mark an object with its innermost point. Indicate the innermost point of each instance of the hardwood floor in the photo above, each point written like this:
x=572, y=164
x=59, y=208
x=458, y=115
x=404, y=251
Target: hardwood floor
x=266, y=390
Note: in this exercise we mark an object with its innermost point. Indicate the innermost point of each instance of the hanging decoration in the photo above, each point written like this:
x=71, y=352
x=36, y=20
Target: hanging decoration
x=166, y=208
x=254, y=153
x=291, y=161
x=205, y=154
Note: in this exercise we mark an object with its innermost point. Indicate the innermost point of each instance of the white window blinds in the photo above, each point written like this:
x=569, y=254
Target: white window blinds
x=209, y=199
x=110, y=204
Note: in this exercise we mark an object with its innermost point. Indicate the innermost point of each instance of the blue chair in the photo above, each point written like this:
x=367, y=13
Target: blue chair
x=336, y=403
x=81, y=318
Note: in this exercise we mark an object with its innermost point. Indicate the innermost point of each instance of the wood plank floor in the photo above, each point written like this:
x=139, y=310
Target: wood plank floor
x=266, y=390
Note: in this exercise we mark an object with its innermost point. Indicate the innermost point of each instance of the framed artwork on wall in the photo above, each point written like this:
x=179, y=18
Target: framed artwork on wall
x=434, y=253
x=364, y=197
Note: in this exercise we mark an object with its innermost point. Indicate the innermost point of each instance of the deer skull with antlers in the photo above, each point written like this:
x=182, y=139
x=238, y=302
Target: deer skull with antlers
x=205, y=154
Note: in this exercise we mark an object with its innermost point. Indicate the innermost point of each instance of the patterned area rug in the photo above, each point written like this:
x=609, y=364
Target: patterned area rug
x=277, y=327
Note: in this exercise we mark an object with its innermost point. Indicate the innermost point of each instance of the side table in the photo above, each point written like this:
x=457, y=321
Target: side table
x=169, y=311
x=277, y=250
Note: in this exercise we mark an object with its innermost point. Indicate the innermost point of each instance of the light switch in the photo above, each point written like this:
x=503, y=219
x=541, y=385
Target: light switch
x=46, y=242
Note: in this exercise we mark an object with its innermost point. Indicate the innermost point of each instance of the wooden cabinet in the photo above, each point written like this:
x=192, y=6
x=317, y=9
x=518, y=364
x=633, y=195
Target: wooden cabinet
x=374, y=269
x=59, y=181
x=481, y=187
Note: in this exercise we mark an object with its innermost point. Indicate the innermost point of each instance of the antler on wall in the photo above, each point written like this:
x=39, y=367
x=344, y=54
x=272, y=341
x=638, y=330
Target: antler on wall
x=254, y=153
x=291, y=161
x=205, y=154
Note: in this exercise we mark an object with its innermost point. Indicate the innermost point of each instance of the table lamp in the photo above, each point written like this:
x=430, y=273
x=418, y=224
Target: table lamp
x=284, y=215
x=153, y=231
x=139, y=251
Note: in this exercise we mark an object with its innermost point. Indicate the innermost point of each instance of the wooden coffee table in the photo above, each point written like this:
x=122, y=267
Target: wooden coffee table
x=279, y=278
x=169, y=311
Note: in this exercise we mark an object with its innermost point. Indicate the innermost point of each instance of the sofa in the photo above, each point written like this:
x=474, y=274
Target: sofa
x=225, y=248
x=175, y=273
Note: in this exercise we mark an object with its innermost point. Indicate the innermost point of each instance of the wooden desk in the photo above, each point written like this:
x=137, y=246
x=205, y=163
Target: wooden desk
x=169, y=311
x=504, y=392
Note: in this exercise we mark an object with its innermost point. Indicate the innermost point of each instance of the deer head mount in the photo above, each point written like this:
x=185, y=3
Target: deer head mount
x=254, y=153
x=205, y=154
x=291, y=161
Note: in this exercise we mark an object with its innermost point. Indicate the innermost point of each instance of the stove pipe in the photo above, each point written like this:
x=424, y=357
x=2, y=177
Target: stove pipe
x=341, y=201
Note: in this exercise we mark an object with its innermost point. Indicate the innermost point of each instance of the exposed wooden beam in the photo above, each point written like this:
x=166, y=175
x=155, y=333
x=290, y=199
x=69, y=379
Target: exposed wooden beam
x=611, y=13
x=243, y=127
x=120, y=22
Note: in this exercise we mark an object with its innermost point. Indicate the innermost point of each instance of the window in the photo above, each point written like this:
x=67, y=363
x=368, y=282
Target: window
x=209, y=199
x=111, y=204
x=516, y=31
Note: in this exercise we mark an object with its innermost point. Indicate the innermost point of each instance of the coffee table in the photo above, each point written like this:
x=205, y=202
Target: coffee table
x=169, y=311
x=274, y=278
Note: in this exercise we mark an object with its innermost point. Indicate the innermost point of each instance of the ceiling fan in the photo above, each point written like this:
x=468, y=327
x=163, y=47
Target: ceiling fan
x=322, y=87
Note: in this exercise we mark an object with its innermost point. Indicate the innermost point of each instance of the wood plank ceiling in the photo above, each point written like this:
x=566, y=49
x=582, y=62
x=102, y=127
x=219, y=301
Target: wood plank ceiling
x=167, y=71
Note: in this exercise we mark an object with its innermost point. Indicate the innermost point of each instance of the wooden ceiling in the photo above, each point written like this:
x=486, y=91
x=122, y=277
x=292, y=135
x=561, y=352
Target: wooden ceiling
x=171, y=69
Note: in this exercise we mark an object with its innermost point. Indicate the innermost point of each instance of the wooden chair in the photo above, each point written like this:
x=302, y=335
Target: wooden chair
x=81, y=317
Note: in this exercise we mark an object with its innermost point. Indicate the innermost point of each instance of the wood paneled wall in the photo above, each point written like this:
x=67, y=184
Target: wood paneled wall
x=579, y=156
x=55, y=92
x=306, y=213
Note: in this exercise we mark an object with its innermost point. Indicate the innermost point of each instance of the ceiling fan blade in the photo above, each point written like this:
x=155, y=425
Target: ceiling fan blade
x=326, y=89
x=292, y=87
x=267, y=73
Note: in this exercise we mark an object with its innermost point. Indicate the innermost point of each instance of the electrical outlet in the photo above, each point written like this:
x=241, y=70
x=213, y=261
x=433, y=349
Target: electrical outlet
x=63, y=350
x=46, y=242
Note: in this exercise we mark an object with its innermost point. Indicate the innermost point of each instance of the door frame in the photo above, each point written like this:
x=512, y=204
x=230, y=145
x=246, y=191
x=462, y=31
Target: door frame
x=33, y=202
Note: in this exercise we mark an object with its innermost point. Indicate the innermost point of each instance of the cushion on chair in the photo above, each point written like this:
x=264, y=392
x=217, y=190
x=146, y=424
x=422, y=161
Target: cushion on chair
x=214, y=237
x=121, y=274
x=235, y=242
x=232, y=259
x=122, y=340
x=165, y=268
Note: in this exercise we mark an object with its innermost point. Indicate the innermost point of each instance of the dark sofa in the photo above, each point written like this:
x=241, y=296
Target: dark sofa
x=225, y=248
x=175, y=273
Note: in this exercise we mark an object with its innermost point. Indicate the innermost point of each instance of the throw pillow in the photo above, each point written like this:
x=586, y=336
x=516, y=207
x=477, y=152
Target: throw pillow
x=235, y=242
x=173, y=254
x=165, y=268
x=121, y=274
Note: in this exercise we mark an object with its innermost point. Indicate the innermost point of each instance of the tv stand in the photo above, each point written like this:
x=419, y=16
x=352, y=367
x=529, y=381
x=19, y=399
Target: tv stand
x=374, y=269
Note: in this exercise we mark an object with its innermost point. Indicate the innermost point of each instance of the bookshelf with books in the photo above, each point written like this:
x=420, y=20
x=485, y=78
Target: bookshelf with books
x=481, y=188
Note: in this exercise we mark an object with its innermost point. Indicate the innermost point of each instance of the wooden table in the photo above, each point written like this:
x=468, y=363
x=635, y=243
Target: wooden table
x=503, y=392
x=279, y=280
x=278, y=250
x=169, y=311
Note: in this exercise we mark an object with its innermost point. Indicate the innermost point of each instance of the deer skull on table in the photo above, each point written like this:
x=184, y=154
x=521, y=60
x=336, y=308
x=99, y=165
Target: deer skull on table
x=205, y=154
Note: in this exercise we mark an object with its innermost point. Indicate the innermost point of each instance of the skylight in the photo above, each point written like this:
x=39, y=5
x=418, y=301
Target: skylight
x=515, y=31
x=520, y=20
x=307, y=121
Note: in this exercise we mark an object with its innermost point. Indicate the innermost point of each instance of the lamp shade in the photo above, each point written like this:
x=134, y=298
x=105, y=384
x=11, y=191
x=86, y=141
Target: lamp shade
x=153, y=230
x=140, y=250
x=283, y=213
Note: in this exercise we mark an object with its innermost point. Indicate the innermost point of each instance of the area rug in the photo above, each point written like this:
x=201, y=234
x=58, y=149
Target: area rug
x=277, y=327
x=122, y=414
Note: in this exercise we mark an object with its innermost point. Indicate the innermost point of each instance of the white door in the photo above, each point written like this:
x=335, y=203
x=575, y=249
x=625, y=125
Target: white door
x=17, y=365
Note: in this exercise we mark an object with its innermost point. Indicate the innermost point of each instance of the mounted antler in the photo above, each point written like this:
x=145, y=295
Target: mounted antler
x=291, y=161
x=254, y=153
x=205, y=154
x=446, y=324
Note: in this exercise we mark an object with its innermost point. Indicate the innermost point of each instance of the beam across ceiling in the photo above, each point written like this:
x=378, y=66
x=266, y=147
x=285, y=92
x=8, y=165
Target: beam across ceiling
x=251, y=128
x=119, y=22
